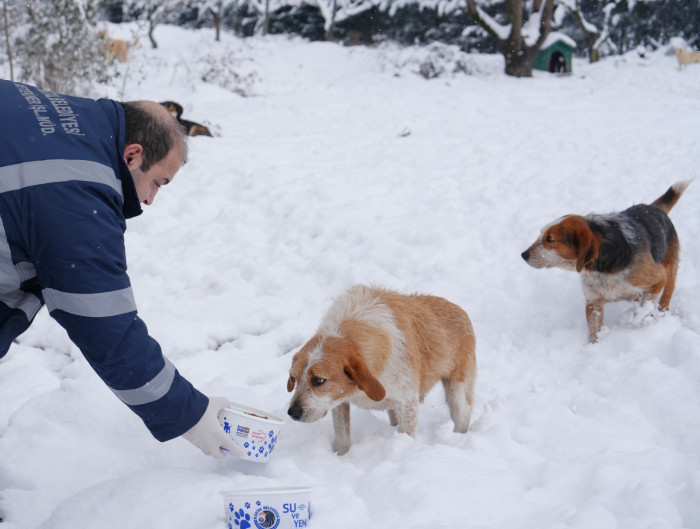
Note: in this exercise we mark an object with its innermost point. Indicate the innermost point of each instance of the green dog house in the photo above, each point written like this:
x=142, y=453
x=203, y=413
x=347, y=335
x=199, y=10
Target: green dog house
x=555, y=54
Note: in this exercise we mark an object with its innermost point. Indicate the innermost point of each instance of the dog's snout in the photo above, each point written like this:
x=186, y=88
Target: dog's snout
x=526, y=255
x=295, y=412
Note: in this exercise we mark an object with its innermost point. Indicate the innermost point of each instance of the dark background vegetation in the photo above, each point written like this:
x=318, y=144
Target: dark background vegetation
x=646, y=23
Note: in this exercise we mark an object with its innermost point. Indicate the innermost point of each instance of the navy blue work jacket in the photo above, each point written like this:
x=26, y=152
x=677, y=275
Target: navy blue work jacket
x=65, y=195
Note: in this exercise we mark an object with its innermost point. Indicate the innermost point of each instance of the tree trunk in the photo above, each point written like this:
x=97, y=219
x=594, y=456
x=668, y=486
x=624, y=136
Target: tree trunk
x=330, y=34
x=152, y=23
x=590, y=37
x=266, y=20
x=151, y=28
x=7, y=43
x=519, y=63
x=217, y=19
x=519, y=57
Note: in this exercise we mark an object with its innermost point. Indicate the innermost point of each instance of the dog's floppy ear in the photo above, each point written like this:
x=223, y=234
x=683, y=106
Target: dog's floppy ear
x=586, y=244
x=588, y=248
x=295, y=371
x=357, y=370
x=299, y=362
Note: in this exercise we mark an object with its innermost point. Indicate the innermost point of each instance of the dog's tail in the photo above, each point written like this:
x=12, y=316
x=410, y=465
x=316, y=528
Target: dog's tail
x=666, y=201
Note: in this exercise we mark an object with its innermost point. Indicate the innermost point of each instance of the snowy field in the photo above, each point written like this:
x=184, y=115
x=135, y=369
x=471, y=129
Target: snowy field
x=332, y=166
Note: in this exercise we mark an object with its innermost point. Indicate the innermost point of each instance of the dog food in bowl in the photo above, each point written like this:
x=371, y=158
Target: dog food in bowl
x=273, y=508
x=255, y=431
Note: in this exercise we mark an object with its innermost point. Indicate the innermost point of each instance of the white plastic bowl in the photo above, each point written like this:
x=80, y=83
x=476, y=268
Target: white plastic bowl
x=255, y=431
x=274, y=508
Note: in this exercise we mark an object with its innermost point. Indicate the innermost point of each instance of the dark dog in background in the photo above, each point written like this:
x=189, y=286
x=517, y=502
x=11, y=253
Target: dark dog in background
x=632, y=255
x=191, y=128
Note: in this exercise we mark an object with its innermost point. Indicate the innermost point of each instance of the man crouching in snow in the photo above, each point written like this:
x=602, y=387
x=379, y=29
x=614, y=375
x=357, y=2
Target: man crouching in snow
x=72, y=170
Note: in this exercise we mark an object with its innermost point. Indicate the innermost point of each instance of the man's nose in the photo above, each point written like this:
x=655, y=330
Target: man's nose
x=149, y=200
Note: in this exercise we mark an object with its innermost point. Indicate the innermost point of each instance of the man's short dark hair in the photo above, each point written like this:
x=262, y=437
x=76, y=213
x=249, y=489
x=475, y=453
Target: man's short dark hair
x=158, y=133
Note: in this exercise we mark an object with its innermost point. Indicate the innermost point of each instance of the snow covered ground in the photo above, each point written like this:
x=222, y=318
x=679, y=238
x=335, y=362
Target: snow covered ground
x=333, y=166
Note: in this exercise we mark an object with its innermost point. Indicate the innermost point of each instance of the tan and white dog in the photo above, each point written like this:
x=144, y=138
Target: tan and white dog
x=113, y=48
x=686, y=57
x=379, y=349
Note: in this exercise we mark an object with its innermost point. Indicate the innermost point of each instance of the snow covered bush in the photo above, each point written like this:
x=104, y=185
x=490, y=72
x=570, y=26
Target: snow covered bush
x=56, y=46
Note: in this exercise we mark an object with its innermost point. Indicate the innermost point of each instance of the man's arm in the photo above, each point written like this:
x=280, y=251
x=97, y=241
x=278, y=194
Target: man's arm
x=75, y=241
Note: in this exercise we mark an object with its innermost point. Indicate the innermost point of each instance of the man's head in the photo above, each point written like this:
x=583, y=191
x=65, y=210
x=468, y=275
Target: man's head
x=156, y=147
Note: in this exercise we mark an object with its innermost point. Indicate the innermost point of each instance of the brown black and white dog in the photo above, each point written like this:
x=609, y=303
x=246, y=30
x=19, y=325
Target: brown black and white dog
x=631, y=255
x=379, y=349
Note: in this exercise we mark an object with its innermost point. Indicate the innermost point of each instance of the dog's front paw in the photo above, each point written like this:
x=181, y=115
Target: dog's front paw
x=340, y=448
x=641, y=315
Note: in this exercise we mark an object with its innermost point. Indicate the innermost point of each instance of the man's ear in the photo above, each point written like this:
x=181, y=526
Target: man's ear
x=133, y=155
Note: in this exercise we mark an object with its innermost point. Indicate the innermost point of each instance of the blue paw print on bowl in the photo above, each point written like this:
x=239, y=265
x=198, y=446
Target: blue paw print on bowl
x=242, y=519
x=261, y=449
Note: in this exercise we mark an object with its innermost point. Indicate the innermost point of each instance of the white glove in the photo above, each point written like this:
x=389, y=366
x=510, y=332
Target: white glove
x=209, y=436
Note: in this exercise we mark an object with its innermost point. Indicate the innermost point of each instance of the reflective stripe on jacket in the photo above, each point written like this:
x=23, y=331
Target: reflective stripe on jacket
x=65, y=195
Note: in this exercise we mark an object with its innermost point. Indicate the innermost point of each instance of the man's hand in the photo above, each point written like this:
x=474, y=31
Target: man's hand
x=208, y=435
